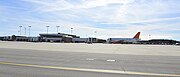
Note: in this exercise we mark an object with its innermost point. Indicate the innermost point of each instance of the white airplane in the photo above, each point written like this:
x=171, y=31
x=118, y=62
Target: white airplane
x=135, y=39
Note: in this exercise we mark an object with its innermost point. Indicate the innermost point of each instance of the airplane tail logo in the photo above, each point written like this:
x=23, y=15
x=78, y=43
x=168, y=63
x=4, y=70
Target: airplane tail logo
x=137, y=35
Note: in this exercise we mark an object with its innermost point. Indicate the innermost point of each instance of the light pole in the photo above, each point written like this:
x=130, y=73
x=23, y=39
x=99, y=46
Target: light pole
x=29, y=29
x=47, y=29
x=71, y=30
x=20, y=29
x=24, y=30
x=18, y=32
x=149, y=36
x=95, y=33
x=95, y=36
x=57, y=28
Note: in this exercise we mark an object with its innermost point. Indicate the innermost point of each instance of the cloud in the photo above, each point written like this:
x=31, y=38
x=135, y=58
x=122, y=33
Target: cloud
x=55, y=5
x=86, y=16
x=156, y=20
x=49, y=5
x=100, y=3
x=133, y=12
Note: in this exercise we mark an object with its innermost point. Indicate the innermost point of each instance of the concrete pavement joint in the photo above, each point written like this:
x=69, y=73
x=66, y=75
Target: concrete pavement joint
x=89, y=70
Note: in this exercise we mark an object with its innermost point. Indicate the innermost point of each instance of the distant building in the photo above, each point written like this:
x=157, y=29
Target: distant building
x=101, y=41
x=1, y=38
x=14, y=38
x=159, y=42
x=7, y=38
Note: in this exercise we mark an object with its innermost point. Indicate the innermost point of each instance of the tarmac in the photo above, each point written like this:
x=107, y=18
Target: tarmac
x=131, y=49
x=26, y=59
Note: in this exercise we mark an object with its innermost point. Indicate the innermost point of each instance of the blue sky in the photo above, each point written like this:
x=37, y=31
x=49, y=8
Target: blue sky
x=109, y=18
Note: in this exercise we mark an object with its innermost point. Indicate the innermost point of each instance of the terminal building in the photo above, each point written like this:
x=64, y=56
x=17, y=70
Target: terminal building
x=19, y=38
x=14, y=38
x=68, y=38
x=1, y=38
x=60, y=37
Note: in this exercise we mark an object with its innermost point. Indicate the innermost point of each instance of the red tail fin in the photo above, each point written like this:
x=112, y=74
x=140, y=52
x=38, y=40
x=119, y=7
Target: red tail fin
x=137, y=35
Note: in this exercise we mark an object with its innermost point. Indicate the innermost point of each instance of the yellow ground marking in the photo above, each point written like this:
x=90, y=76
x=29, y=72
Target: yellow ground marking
x=90, y=70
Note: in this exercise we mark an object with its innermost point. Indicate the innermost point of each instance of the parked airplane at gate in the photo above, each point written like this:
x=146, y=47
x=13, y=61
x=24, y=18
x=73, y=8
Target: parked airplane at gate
x=135, y=39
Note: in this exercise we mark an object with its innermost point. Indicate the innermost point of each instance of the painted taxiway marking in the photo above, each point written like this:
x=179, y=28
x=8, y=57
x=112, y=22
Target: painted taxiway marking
x=90, y=70
x=89, y=59
x=111, y=60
